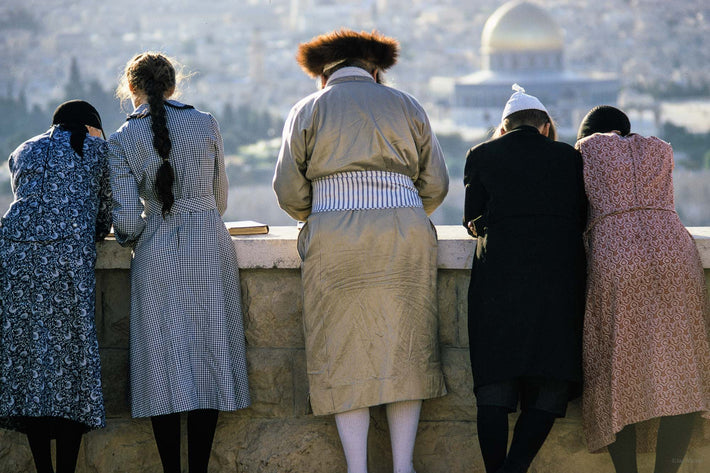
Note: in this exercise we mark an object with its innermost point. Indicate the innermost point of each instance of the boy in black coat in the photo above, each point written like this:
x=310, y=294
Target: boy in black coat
x=525, y=203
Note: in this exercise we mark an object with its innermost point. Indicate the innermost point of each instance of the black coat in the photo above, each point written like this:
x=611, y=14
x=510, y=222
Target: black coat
x=526, y=297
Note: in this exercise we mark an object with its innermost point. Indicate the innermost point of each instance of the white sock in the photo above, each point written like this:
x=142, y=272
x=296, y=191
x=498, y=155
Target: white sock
x=403, y=419
x=352, y=428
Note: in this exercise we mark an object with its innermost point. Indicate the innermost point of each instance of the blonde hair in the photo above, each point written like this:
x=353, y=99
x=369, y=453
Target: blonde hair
x=141, y=69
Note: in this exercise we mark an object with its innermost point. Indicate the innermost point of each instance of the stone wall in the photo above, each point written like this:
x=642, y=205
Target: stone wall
x=278, y=434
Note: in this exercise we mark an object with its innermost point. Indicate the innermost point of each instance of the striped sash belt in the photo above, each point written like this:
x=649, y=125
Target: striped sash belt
x=192, y=204
x=361, y=190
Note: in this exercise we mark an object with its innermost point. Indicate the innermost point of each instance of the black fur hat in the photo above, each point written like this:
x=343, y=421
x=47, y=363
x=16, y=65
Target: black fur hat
x=331, y=48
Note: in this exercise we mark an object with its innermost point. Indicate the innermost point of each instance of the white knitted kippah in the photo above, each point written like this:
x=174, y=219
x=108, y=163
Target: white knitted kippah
x=521, y=101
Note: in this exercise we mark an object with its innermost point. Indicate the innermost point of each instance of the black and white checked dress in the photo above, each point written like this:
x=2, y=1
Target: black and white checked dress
x=187, y=339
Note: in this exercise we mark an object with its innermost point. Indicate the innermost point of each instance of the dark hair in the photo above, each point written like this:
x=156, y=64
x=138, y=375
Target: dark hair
x=603, y=119
x=154, y=75
x=73, y=116
x=531, y=117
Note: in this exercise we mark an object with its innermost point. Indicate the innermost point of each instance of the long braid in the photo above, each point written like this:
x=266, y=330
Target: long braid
x=165, y=176
x=154, y=75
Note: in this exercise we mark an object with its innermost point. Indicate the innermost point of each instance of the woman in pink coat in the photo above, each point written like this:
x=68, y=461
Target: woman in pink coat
x=646, y=350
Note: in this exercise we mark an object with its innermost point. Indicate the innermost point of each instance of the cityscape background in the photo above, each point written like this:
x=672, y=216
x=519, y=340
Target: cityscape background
x=240, y=58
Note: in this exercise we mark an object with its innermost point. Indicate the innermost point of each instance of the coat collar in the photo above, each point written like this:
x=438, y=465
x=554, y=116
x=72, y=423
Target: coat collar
x=143, y=110
x=527, y=128
x=347, y=74
x=340, y=80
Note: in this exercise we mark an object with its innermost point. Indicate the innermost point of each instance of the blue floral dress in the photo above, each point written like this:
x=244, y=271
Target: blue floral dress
x=49, y=354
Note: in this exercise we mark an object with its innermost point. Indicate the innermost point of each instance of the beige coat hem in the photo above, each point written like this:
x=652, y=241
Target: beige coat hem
x=375, y=392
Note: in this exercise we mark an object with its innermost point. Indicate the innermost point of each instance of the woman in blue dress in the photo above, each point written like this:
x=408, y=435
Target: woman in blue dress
x=50, y=376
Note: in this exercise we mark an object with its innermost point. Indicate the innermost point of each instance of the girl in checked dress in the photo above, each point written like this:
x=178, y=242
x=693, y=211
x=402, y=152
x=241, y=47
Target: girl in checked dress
x=187, y=339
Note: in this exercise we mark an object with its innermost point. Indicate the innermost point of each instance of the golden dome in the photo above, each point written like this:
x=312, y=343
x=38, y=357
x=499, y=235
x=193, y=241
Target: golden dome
x=520, y=26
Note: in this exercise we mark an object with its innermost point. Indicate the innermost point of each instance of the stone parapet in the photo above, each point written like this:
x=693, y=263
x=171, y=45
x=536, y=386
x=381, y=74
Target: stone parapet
x=277, y=249
x=278, y=434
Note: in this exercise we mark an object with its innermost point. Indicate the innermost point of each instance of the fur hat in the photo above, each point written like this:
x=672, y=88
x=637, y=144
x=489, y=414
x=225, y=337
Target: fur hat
x=330, y=49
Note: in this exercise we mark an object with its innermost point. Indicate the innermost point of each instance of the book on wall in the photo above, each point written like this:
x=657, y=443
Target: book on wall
x=246, y=227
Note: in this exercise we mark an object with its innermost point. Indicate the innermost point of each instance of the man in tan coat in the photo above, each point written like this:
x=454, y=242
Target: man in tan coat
x=361, y=166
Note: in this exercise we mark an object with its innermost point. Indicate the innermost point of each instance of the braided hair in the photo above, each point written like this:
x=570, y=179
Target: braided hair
x=154, y=75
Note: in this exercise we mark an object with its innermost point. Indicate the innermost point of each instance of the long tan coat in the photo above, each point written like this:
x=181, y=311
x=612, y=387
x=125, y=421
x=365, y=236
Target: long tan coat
x=369, y=276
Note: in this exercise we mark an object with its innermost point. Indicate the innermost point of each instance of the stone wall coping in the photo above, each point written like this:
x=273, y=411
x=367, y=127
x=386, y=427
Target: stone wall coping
x=277, y=249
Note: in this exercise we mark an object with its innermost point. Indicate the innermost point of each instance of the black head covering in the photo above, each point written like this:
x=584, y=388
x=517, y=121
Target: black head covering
x=77, y=112
x=603, y=119
x=73, y=116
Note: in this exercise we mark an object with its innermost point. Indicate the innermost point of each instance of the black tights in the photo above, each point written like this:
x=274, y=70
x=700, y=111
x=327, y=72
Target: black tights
x=68, y=434
x=673, y=439
x=201, y=425
x=530, y=433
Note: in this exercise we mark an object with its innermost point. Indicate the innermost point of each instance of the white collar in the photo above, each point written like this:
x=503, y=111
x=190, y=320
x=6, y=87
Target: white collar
x=348, y=71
